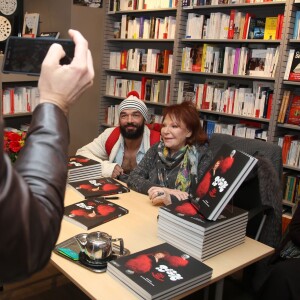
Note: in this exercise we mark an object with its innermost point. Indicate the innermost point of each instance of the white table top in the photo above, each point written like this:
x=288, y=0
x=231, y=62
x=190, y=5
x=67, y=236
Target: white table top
x=139, y=230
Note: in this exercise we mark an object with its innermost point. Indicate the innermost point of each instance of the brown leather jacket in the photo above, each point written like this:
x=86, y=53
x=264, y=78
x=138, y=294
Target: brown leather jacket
x=32, y=193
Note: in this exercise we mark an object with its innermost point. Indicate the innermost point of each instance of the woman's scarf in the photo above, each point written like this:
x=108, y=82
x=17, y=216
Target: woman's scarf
x=187, y=157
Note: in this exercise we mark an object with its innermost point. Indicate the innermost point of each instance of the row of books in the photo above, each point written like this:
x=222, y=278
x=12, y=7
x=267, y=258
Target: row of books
x=289, y=109
x=291, y=192
x=149, y=89
x=241, y=130
x=123, y=5
x=235, y=25
x=112, y=116
x=120, y=87
x=210, y=58
x=290, y=145
x=192, y=3
x=144, y=60
x=216, y=96
x=145, y=27
x=292, y=71
x=19, y=99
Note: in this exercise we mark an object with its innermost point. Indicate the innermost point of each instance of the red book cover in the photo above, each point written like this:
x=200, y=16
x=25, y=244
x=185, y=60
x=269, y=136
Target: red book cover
x=99, y=187
x=219, y=183
x=93, y=212
x=269, y=109
x=287, y=140
x=204, y=103
x=280, y=27
x=159, y=272
x=123, y=63
x=294, y=114
x=231, y=24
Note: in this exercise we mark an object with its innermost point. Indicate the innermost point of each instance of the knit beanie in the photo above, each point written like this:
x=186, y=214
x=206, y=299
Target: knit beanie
x=133, y=102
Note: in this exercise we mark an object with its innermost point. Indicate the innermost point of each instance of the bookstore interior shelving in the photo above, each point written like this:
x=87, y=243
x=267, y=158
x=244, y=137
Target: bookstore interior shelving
x=10, y=81
x=259, y=9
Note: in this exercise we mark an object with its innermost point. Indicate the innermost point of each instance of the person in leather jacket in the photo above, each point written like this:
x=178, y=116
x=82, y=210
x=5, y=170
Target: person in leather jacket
x=32, y=190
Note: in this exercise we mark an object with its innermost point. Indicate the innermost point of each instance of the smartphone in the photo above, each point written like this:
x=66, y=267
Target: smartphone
x=25, y=55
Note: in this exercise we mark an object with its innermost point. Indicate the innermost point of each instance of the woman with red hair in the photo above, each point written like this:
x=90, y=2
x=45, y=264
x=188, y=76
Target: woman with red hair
x=170, y=169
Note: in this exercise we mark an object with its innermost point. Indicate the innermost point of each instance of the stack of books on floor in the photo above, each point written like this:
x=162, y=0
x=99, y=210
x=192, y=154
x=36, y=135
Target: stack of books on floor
x=159, y=272
x=182, y=226
x=81, y=168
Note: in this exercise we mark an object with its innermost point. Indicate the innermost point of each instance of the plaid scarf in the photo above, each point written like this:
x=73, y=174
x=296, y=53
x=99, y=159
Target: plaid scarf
x=187, y=157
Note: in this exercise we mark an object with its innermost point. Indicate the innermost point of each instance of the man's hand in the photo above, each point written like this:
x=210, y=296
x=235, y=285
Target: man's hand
x=117, y=171
x=63, y=84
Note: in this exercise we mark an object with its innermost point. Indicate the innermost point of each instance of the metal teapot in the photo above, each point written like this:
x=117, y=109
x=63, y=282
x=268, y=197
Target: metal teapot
x=97, y=245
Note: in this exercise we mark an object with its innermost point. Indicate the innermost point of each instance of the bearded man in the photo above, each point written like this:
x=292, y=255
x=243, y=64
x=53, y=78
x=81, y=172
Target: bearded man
x=121, y=148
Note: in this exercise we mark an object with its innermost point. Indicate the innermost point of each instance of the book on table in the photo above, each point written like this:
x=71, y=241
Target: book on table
x=159, y=272
x=103, y=186
x=225, y=174
x=80, y=168
x=181, y=225
x=93, y=212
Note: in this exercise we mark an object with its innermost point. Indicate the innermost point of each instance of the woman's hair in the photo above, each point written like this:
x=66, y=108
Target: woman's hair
x=187, y=113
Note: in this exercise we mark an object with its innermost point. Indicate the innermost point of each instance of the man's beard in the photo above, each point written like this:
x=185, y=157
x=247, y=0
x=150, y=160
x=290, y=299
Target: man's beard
x=132, y=134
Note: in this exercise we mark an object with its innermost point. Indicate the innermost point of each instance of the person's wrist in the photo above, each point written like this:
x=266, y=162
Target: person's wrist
x=60, y=104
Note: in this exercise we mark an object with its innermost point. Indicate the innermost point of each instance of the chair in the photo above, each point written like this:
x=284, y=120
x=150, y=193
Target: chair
x=260, y=194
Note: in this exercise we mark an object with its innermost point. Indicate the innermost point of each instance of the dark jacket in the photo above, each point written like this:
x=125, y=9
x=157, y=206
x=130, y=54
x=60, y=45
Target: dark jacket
x=31, y=195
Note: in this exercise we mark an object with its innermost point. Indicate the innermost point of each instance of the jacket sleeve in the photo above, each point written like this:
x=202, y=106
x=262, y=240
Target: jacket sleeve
x=96, y=151
x=139, y=178
x=32, y=193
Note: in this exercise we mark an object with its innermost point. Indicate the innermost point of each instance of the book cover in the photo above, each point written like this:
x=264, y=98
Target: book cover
x=99, y=187
x=295, y=67
x=256, y=28
x=270, y=28
x=294, y=113
x=256, y=63
x=30, y=25
x=80, y=162
x=186, y=215
x=161, y=271
x=224, y=176
x=49, y=34
x=93, y=212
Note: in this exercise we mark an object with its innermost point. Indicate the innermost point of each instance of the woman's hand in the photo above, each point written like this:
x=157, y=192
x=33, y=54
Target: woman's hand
x=159, y=195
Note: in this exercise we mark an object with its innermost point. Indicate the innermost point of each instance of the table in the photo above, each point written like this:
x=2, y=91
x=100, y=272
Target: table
x=139, y=231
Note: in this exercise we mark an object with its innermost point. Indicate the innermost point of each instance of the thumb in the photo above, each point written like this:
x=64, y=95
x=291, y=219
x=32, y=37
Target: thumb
x=54, y=55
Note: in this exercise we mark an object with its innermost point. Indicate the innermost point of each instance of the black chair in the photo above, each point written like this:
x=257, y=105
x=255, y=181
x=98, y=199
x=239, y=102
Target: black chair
x=261, y=195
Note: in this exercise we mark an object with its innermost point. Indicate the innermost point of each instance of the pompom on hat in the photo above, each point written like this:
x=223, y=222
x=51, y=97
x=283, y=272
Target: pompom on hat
x=133, y=102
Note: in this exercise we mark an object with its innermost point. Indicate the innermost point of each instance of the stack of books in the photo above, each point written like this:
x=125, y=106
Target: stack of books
x=182, y=226
x=159, y=272
x=82, y=168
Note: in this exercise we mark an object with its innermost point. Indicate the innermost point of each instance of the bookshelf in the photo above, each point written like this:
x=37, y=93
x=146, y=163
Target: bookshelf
x=262, y=9
x=15, y=120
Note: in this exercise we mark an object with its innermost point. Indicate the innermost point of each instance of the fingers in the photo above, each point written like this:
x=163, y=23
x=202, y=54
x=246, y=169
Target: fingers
x=81, y=47
x=54, y=55
x=117, y=171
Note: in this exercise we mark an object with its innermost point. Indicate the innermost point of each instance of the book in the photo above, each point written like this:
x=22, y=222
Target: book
x=99, y=187
x=256, y=63
x=270, y=28
x=294, y=112
x=48, y=34
x=159, y=272
x=294, y=74
x=80, y=167
x=256, y=28
x=30, y=25
x=93, y=212
x=227, y=171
